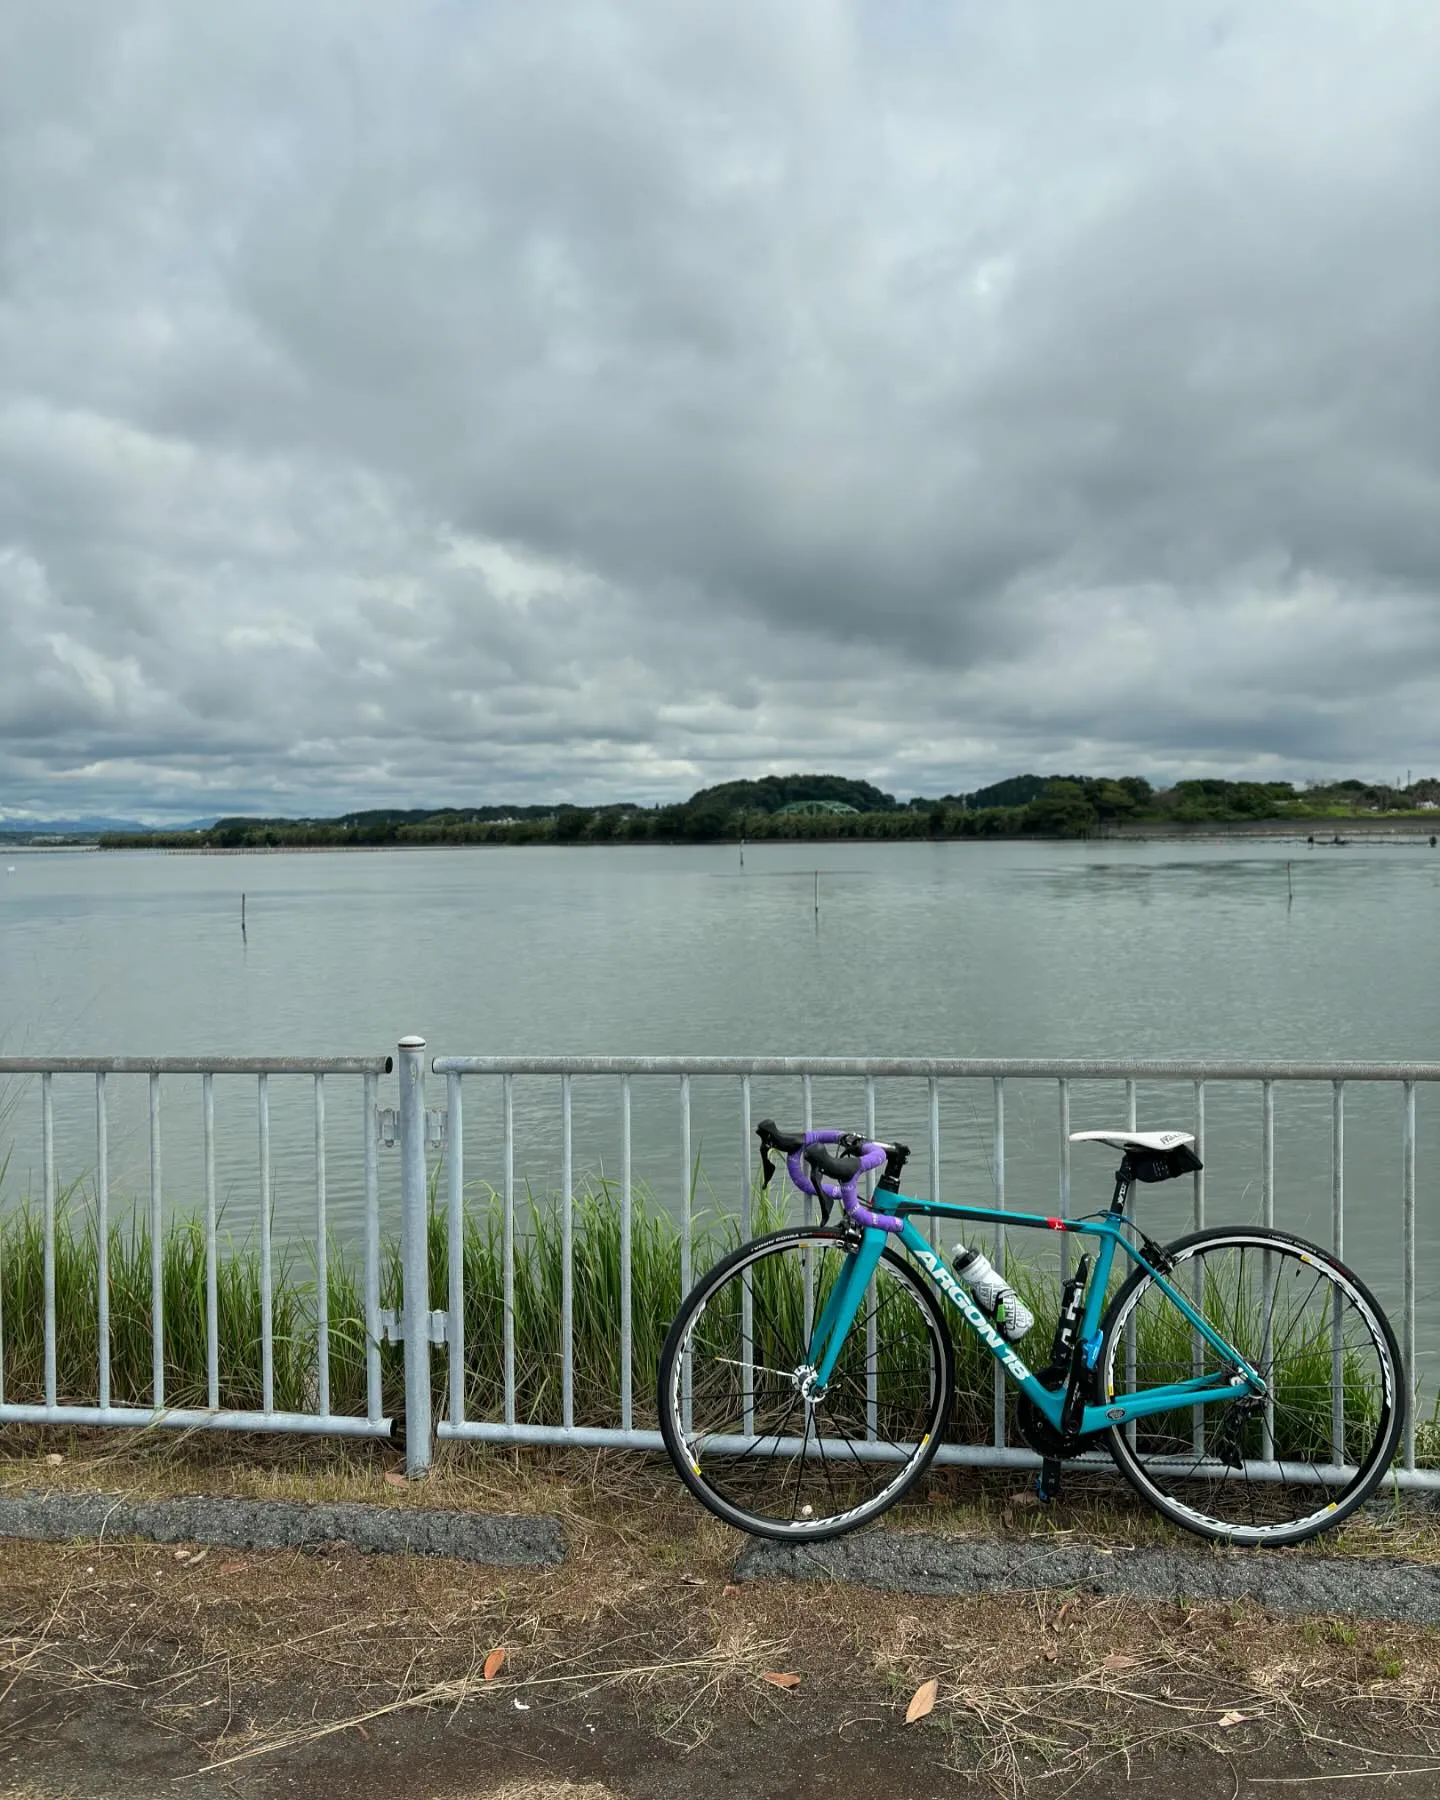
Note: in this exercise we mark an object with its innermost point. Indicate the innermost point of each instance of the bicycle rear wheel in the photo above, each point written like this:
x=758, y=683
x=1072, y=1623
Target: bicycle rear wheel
x=744, y=1427
x=1275, y=1470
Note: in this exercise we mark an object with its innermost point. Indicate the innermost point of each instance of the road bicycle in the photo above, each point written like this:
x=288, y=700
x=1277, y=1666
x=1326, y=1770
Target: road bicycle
x=1245, y=1381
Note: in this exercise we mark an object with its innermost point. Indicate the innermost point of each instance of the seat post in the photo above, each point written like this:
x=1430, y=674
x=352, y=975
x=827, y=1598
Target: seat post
x=1124, y=1181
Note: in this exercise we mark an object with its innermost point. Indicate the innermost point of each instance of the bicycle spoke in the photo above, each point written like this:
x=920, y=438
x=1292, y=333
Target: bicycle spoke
x=800, y=1465
x=752, y=1448
x=825, y=1465
x=755, y=1368
x=888, y=1440
x=1275, y=1353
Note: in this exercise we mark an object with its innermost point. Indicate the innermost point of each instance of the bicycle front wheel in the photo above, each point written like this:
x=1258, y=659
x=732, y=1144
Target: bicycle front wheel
x=749, y=1432
x=1256, y=1470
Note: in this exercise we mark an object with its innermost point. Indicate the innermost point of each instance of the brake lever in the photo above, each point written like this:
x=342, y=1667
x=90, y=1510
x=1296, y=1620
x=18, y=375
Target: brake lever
x=827, y=1200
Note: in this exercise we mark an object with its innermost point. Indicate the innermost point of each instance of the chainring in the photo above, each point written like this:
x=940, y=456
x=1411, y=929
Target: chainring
x=1043, y=1437
x=1046, y=1439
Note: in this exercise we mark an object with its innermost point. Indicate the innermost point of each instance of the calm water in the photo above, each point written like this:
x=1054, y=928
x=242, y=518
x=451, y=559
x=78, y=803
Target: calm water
x=955, y=950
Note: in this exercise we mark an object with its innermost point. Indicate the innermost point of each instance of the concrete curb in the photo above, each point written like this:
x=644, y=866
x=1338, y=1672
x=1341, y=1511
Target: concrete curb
x=1281, y=1582
x=286, y=1525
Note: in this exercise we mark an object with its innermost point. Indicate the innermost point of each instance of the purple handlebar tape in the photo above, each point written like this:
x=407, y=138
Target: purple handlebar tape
x=871, y=1157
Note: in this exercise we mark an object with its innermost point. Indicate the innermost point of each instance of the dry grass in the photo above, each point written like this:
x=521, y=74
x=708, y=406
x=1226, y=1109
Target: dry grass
x=1080, y=1680
x=621, y=1490
x=540, y=1790
x=252, y=1656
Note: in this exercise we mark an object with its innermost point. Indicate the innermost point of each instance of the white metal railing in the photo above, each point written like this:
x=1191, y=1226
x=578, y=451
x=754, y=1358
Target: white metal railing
x=317, y=1415
x=822, y=1090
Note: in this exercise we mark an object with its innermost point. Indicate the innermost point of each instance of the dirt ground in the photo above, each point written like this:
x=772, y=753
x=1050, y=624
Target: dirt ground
x=640, y=1671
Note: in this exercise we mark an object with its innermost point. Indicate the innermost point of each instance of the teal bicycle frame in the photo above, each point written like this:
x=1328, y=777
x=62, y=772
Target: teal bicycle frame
x=845, y=1297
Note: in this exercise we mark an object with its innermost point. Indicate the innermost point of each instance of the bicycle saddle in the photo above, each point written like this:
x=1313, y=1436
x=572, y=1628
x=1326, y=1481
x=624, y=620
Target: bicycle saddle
x=1134, y=1140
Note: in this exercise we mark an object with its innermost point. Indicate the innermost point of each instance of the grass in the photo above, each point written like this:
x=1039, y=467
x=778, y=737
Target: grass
x=183, y=1284
x=655, y=1252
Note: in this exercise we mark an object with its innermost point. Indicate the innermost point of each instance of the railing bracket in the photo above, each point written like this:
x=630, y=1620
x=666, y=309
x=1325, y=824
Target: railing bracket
x=392, y=1326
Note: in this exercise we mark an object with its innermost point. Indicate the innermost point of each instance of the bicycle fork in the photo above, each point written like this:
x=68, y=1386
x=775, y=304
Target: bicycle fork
x=841, y=1305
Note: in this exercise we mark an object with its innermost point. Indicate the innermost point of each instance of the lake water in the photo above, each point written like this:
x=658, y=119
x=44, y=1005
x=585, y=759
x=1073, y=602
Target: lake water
x=971, y=949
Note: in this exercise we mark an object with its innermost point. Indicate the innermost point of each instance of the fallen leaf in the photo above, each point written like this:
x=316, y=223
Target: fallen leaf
x=1233, y=1718
x=182, y=1556
x=54, y=1459
x=494, y=1663
x=1118, y=1660
x=780, y=1681
x=1059, y=1617
x=395, y=1478
x=922, y=1701
x=693, y=1580
x=363, y=1732
x=198, y=1557
x=1025, y=1498
x=232, y=1568
x=1051, y=1654
x=729, y=1590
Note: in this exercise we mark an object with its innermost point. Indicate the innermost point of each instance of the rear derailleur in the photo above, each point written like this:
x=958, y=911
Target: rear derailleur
x=1226, y=1447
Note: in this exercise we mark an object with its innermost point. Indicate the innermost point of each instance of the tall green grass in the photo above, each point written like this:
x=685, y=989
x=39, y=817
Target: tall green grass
x=238, y=1313
x=538, y=1287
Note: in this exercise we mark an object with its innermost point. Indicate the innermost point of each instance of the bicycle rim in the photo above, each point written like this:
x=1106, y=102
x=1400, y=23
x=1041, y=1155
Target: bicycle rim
x=745, y=1436
x=1250, y=1471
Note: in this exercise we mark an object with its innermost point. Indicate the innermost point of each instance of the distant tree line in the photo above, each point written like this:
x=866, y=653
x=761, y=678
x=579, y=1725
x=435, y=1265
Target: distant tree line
x=797, y=807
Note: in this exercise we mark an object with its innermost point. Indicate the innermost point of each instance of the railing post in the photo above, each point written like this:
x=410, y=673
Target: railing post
x=415, y=1256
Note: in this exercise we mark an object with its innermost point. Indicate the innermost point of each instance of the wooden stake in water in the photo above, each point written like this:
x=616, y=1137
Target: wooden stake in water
x=742, y=853
x=817, y=899
x=243, y=938
x=1290, y=884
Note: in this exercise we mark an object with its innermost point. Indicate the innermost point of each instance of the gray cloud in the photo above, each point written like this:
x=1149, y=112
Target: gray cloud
x=454, y=404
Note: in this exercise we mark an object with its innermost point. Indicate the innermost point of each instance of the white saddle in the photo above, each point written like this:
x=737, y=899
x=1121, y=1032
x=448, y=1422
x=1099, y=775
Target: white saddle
x=1134, y=1140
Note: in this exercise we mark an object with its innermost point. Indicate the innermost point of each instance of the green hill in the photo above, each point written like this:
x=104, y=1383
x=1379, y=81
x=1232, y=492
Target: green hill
x=776, y=793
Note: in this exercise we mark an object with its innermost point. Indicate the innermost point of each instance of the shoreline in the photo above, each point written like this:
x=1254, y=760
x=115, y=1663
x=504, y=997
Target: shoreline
x=1319, y=834
x=1340, y=834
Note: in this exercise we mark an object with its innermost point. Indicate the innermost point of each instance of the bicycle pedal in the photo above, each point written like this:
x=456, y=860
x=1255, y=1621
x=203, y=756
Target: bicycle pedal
x=1047, y=1482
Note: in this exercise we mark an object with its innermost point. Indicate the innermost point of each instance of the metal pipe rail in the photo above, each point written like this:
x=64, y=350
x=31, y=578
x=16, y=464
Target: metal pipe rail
x=196, y=1065
x=882, y=1068
x=53, y=1408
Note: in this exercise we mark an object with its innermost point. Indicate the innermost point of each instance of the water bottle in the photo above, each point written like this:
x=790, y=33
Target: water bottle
x=992, y=1293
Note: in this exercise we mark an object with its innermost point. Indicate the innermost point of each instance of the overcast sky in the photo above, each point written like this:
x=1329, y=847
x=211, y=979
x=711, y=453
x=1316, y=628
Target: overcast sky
x=457, y=402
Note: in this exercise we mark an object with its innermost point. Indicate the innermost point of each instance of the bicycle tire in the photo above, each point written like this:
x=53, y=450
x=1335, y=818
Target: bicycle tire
x=708, y=1475
x=1292, y=1424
